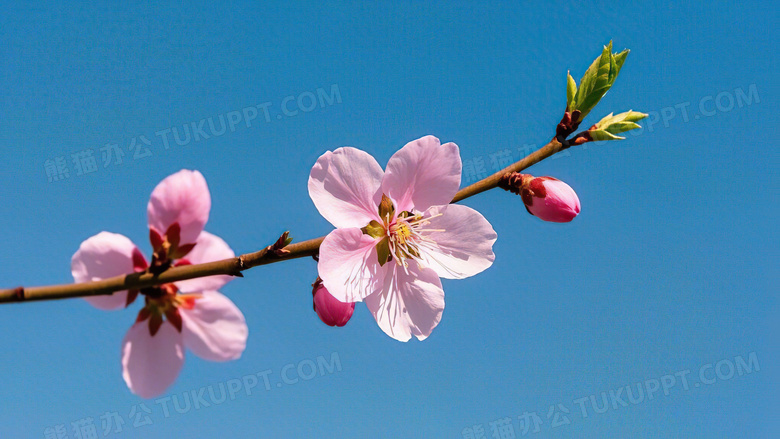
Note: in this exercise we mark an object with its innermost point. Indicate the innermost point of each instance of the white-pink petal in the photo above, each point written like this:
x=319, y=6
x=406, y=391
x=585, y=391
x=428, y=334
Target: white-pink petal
x=409, y=303
x=344, y=186
x=183, y=198
x=208, y=248
x=100, y=257
x=151, y=364
x=215, y=328
x=464, y=245
x=348, y=265
x=422, y=174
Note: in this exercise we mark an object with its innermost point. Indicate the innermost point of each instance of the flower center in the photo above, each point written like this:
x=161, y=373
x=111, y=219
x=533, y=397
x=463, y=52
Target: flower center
x=405, y=237
x=165, y=301
x=401, y=231
x=401, y=237
x=167, y=247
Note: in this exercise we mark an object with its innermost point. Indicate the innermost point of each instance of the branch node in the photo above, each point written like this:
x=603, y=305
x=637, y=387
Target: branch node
x=278, y=248
x=19, y=294
x=512, y=182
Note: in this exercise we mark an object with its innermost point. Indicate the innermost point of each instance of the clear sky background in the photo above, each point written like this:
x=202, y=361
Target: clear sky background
x=670, y=267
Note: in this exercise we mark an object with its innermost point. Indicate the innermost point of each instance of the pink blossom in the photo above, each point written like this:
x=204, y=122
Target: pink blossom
x=396, y=232
x=330, y=310
x=190, y=313
x=550, y=199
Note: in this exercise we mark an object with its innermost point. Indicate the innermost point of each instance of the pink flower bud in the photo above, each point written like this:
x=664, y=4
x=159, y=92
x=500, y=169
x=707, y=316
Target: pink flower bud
x=330, y=310
x=550, y=199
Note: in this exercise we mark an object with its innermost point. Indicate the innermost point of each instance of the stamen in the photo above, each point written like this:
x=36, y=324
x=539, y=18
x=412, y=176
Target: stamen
x=406, y=238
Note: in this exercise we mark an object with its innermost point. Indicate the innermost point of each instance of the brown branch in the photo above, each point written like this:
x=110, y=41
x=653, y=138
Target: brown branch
x=234, y=266
x=492, y=181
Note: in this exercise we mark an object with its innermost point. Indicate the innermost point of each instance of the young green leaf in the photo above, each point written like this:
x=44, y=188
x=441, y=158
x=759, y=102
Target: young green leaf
x=597, y=80
x=610, y=125
x=571, y=90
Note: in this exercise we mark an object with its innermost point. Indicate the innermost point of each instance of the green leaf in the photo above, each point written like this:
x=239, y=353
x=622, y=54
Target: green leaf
x=620, y=58
x=621, y=127
x=611, y=124
x=586, y=83
x=598, y=86
x=628, y=116
x=571, y=90
x=613, y=70
x=597, y=80
x=597, y=135
x=633, y=116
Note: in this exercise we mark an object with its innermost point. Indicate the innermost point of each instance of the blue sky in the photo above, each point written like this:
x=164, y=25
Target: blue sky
x=669, y=267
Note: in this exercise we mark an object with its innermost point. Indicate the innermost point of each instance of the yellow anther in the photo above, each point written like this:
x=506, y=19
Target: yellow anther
x=403, y=233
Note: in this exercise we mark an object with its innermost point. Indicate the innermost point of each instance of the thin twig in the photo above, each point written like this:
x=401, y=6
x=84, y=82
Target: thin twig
x=234, y=266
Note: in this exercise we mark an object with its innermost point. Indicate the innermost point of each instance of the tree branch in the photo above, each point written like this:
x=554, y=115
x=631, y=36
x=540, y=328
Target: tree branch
x=234, y=266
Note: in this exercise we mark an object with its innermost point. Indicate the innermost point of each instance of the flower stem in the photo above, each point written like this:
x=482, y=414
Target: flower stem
x=234, y=266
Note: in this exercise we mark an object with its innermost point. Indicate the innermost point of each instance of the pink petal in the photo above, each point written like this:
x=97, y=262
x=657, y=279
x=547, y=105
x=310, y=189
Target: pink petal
x=422, y=174
x=464, y=247
x=151, y=364
x=183, y=198
x=208, y=248
x=348, y=265
x=100, y=257
x=344, y=185
x=214, y=329
x=409, y=304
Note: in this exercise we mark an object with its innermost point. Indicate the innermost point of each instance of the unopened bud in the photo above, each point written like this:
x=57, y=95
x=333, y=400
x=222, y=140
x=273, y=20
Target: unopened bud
x=547, y=198
x=329, y=309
